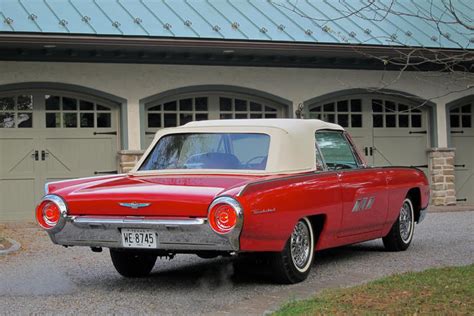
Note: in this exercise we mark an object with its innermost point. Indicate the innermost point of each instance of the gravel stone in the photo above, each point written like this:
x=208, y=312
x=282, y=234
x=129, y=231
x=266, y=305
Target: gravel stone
x=45, y=278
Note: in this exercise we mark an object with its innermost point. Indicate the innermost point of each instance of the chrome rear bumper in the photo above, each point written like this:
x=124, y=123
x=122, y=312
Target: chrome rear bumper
x=176, y=234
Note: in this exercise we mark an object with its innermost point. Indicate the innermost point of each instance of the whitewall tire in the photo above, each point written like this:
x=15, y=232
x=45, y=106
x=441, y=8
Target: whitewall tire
x=293, y=263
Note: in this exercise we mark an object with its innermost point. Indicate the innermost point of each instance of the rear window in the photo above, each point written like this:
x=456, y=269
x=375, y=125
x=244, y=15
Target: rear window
x=231, y=151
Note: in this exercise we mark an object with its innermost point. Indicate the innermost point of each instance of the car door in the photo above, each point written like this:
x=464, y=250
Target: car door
x=364, y=190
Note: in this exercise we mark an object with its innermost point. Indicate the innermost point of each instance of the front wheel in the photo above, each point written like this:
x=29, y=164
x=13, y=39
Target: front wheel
x=132, y=264
x=292, y=265
x=401, y=234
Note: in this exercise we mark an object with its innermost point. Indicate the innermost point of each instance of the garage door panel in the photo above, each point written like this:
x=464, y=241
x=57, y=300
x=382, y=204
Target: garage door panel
x=18, y=199
x=17, y=157
x=79, y=156
x=65, y=136
x=464, y=159
x=400, y=151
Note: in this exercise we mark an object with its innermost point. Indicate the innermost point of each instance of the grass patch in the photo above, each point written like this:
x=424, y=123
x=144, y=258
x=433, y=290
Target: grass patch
x=434, y=291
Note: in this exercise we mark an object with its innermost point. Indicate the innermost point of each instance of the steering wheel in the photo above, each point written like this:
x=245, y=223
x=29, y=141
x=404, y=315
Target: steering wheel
x=342, y=166
x=247, y=164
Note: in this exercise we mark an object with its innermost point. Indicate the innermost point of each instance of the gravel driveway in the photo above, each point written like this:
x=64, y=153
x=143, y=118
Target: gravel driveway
x=45, y=278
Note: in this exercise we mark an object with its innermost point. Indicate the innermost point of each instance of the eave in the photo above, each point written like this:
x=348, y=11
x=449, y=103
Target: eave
x=187, y=51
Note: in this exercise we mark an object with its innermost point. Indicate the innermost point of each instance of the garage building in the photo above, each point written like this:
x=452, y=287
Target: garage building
x=84, y=85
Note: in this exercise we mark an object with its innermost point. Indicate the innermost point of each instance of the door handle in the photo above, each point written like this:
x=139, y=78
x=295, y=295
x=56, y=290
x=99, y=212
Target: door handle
x=366, y=151
x=35, y=155
x=44, y=154
x=371, y=150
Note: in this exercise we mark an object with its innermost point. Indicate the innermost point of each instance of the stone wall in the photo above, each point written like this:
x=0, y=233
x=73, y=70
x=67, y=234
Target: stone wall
x=441, y=161
x=128, y=159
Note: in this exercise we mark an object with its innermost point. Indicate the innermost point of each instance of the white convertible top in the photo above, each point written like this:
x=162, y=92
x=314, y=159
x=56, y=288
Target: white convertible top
x=292, y=147
x=288, y=125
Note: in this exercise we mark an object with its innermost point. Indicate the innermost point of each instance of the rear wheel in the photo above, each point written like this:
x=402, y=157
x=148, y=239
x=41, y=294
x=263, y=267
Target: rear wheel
x=132, y=264
x=401, y=233
x=293, y=264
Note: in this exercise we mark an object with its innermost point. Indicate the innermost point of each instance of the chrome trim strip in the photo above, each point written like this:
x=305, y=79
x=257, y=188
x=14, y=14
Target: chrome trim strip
x=46, y=188
x=136, y=221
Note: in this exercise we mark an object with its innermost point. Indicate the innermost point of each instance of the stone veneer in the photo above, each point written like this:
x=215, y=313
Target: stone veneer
x=441, y=162
x=128, y=159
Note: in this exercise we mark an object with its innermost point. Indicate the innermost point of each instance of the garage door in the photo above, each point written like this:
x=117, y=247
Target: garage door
x=47, y=136
x=388, y=131
x=179, y=110
x=462, y=138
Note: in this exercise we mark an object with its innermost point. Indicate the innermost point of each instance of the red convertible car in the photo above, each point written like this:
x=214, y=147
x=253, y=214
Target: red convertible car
x=280, y=188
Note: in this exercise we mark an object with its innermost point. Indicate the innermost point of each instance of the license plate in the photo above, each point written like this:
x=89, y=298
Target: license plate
x=139, y=238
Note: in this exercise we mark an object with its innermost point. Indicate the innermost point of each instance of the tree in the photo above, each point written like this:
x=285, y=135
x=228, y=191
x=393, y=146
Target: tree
x=450, y=55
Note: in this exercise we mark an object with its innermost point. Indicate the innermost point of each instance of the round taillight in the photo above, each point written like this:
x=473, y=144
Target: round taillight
x=48, y=214
x=222, y=218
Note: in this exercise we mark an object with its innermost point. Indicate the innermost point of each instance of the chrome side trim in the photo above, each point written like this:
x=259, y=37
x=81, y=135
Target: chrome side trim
x=234, y=234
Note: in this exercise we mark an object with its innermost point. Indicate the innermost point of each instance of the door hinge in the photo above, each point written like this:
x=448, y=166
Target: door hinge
x=459, y=166
x=420, y=166
x=461, y=200
x=150, y=133
x=35, y=155
x=417, y=132
x=369, y=151
x=44, y=154
x=106, y=172
x=457, y=132
x=105, y=133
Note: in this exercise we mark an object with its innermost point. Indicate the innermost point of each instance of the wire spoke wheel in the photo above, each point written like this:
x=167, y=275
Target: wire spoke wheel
x=300, y=245
x=406, y=222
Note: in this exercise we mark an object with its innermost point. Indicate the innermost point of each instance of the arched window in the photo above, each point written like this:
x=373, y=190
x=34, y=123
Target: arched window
x=180, y=109
x=461, y=116
x=347, y=113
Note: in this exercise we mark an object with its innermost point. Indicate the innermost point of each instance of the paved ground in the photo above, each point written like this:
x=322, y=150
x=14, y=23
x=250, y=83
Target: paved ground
x=44, y=278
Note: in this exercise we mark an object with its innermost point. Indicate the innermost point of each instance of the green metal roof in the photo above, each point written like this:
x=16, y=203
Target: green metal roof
x=310, y=21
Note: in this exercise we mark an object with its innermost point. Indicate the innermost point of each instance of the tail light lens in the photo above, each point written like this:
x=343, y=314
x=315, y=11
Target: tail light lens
x=222, y=218
x=49, y=212
x=224, y=215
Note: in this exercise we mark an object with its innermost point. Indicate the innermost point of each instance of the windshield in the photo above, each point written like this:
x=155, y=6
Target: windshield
x=232, y=151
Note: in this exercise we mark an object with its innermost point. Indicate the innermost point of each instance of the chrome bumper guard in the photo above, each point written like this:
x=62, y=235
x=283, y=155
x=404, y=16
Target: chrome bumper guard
x=185, y=234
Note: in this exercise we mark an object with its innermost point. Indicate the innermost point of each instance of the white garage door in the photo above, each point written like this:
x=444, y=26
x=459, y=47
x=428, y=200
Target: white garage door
x=388, y=131
x=48, y=136
x=462, y=138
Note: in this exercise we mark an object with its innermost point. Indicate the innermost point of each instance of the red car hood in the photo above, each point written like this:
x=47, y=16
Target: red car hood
x=177, y=195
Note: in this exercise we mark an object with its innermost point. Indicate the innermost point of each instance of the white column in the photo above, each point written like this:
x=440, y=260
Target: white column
x=134, y=136
x=441, y=121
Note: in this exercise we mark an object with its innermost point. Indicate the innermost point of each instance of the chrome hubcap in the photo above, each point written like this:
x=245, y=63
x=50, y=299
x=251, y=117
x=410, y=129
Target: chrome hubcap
x=300, y=245
x=406, y=222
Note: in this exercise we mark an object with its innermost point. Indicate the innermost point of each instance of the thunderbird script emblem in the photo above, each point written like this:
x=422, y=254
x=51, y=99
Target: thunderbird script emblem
x=134, y=205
